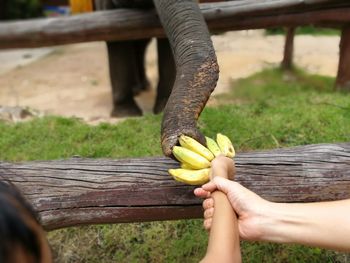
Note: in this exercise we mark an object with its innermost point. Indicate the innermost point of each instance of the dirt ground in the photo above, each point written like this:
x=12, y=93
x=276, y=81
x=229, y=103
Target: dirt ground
x=73, y=80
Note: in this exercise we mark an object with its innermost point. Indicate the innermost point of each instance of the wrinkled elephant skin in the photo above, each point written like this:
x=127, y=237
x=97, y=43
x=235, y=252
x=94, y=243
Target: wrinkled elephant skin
x=197, y=69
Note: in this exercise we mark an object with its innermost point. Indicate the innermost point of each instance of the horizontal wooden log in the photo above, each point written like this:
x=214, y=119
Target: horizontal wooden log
x=124, y=24
x=332, y=18
x=89, y=191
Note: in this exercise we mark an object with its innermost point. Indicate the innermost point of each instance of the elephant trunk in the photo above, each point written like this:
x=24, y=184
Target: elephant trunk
x=197, y=69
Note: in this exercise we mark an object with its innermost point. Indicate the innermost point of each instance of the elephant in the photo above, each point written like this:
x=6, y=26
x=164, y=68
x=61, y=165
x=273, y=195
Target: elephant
x=197, y=69
x=127, y=70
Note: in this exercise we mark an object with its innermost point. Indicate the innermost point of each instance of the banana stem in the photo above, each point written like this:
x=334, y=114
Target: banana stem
x=223, y=243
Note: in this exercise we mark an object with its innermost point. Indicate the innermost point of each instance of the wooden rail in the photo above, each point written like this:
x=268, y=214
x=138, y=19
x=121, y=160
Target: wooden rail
x=125, y=24
x=89, y=191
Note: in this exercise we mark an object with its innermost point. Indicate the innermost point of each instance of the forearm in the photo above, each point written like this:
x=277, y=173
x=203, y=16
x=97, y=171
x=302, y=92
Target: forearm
x=325, y=224
x=224, y=243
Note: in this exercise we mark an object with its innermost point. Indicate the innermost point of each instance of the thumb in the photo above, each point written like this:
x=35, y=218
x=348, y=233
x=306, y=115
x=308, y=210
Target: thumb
x=222, y=184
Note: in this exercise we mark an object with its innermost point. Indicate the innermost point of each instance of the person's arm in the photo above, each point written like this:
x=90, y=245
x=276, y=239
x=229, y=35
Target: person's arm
x=321, y=224
x=223, y=245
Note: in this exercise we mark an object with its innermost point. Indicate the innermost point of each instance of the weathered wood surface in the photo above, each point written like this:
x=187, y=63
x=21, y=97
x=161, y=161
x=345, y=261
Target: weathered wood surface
x=343, y=77
x=89, y=191
x=124, y=24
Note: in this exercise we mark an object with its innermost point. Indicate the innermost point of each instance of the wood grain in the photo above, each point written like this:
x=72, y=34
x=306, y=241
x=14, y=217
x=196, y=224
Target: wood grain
x=89, y=191
x=126, y=24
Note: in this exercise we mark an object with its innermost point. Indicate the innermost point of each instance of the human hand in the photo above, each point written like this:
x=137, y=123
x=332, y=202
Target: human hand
x=250, y=208
x=223, y=244
x=222, y=166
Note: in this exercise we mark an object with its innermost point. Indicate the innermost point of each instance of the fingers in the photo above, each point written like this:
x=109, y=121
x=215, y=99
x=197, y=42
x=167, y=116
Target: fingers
x=205, y=190
x=208, y=206
x=209, y=213
x=218, y=182
x=201, y=193
x=207, y=224
x=208, y=203
x=221, y=184
x=210, y=187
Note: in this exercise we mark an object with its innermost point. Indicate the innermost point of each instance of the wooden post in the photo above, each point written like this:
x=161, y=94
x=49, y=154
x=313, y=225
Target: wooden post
x=343, y=76
x=287, y=62
x=98, y=191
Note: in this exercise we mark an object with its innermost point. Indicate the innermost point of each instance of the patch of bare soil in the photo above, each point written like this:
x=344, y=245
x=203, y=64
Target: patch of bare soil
x=73, y=80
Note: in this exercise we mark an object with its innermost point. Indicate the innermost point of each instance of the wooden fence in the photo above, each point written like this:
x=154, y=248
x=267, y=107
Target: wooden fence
x=89, y=191
x=126, y=24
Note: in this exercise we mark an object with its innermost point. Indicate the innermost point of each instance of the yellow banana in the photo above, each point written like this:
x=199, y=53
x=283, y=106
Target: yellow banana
x=225, y=145
x=192, y=177
x=186, y=166
x=191, y=158
x=213, y=146
x=196, y=147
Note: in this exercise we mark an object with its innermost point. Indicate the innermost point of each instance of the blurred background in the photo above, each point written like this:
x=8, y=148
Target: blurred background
x=22, y=9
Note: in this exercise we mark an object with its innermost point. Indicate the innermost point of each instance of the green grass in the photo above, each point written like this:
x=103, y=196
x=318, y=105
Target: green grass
x=306, y=30
x=268, y=110
x=273, y=109
x=56, y=137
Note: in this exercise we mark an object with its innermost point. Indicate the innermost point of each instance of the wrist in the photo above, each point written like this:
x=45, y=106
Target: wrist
x=222, y=166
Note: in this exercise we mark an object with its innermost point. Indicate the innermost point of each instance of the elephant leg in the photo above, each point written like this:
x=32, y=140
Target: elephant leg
x=126, y=67
x=167, y=74
x=123, y=75
x=143, y=83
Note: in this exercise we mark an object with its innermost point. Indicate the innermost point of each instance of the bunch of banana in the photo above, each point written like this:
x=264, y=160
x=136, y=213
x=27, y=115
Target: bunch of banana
x=195, y=158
